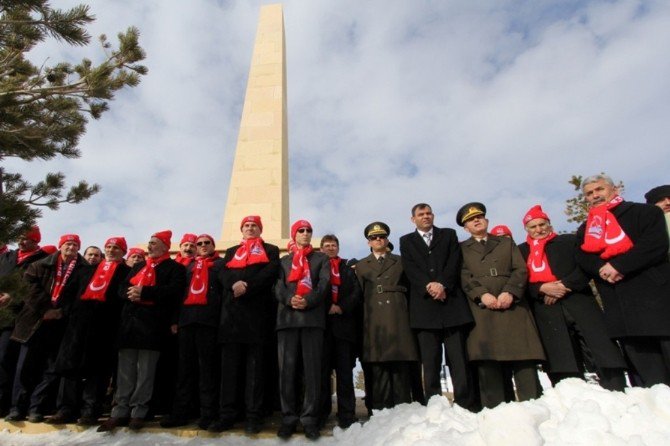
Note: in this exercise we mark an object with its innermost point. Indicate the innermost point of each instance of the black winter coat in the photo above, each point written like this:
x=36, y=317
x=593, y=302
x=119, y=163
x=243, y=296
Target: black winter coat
x=8, y=267
x=350, y=298
x=580, y=305
x=249, y=319
x=144, y=325
x=439, y=262
x=203, y=314
x=638, y=305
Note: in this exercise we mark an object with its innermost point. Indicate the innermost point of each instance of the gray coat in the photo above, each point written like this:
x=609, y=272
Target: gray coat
x=386, y=332
x=498, y=335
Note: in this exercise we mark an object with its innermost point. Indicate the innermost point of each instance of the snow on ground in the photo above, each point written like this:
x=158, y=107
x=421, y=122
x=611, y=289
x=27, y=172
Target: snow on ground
x=573, y=413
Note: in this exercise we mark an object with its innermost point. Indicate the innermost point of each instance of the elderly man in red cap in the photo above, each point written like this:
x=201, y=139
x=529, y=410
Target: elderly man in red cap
x=565, y=309
x=246, y=324
x=187, y=249
x=12, y=292
x=304, y=280
x=151, y=293
x=135, y=255
x=624, y=248
x=86, y=356
x=39, y=328
x=198, y=321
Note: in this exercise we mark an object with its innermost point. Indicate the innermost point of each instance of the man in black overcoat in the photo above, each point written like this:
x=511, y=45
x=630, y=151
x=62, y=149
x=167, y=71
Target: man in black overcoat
x=438, y=311
x=246, y=324
x=565, y=309
x=339, y=348
x=624, y=248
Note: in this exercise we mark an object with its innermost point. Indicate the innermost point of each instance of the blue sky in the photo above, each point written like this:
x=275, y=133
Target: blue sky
x=390, y=103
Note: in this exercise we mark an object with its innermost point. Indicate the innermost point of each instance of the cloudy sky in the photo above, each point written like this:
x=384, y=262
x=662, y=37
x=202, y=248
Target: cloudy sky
x=390, y=103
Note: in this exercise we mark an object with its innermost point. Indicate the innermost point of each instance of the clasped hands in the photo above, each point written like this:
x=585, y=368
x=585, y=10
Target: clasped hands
x=609, y=274
x=502, y=302
x=436, y=291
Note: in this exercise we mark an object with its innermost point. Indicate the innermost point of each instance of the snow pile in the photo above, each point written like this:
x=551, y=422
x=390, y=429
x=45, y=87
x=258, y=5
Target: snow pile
x=573, y=413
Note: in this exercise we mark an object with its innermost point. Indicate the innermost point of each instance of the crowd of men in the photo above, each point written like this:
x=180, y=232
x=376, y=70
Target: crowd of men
x=231, y=338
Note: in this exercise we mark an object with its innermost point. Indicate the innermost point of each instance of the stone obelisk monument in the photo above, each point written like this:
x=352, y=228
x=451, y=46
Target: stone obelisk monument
x=259, y=179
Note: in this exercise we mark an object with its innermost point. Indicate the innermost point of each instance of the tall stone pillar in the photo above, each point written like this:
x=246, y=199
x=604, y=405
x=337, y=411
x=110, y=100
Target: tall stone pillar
x=259, y=179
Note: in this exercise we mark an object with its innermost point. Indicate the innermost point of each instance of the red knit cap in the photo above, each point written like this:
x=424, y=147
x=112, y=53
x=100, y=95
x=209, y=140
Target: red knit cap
x=188, y=237
x=299, y=224
x=139, y=251
x=533, y=213
x=207, y=236
x=164, y=236
x=501, y=230
x=69, y=238
x=119, y=242
x=49, y=249
x=253, y=219
x=34, y=234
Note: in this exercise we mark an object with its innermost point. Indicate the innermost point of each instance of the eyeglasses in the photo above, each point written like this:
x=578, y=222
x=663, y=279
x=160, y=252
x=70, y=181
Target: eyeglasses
x=377, y=237
x=204, y=243
x=303, y=230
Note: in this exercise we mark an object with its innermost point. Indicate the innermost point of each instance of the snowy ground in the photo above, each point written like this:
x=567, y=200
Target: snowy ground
x=573, y=413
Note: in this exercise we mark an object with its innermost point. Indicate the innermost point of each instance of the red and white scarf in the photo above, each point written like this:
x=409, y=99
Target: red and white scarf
x=61, y=277
x=300, y=270
x=186, y=261
x=537, y=263
x=147, y=275
x=99, y=283
x=197, y=290
x=603, y=233
x=250, y=252
x=335, y=280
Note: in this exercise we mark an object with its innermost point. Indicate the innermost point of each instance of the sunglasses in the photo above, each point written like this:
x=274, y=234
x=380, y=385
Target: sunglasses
x=377, y=237
x=204, y=243
x=303, y=230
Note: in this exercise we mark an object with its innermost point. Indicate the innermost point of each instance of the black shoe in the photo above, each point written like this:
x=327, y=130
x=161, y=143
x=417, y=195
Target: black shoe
x=87, y=420
x=221, y=425
x=15, y=415
x=285, y=431
x=253, y=427
x=136, y=424
x=173, y=421
x=35, y=417
x=112, y=423
x=345, y=423
x=312, y=432
x=60, y=418
x=203, y=423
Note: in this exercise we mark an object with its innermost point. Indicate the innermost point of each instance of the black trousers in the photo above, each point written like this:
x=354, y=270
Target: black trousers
x=431, y=344
x=492, y=381
x=295, y=344
x=338, y=355
x=82, y=395
x=391, y=384
x=9, y=352
x=35, y=382
x=650, y=356
x=197, y=371
x=236, y=357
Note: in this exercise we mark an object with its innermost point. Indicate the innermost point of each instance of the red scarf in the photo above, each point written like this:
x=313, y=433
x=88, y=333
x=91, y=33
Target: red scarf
x=300, y=270
x=186, y=261
x=335, y=280
x=21, y=256
x=147, y=275
x=197, y=291
x=539, y=269
x=97, y=286
x=603, y=233
x=61, y=277
x=250, y=252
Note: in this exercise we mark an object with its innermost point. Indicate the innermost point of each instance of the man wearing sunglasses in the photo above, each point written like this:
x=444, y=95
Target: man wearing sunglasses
x=439, y=313
x=388, y=344
x=196, y=337
x=301, y=290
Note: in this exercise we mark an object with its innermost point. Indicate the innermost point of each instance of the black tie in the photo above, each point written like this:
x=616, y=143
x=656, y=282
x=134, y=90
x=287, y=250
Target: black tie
x=483, y=242
x=380, y=259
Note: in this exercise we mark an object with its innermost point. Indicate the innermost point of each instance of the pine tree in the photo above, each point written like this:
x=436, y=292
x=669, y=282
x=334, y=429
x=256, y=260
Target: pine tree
x=44, y=109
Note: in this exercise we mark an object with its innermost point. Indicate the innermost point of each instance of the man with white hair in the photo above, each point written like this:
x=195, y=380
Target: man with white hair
x=151, y=293
x=624, y=248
